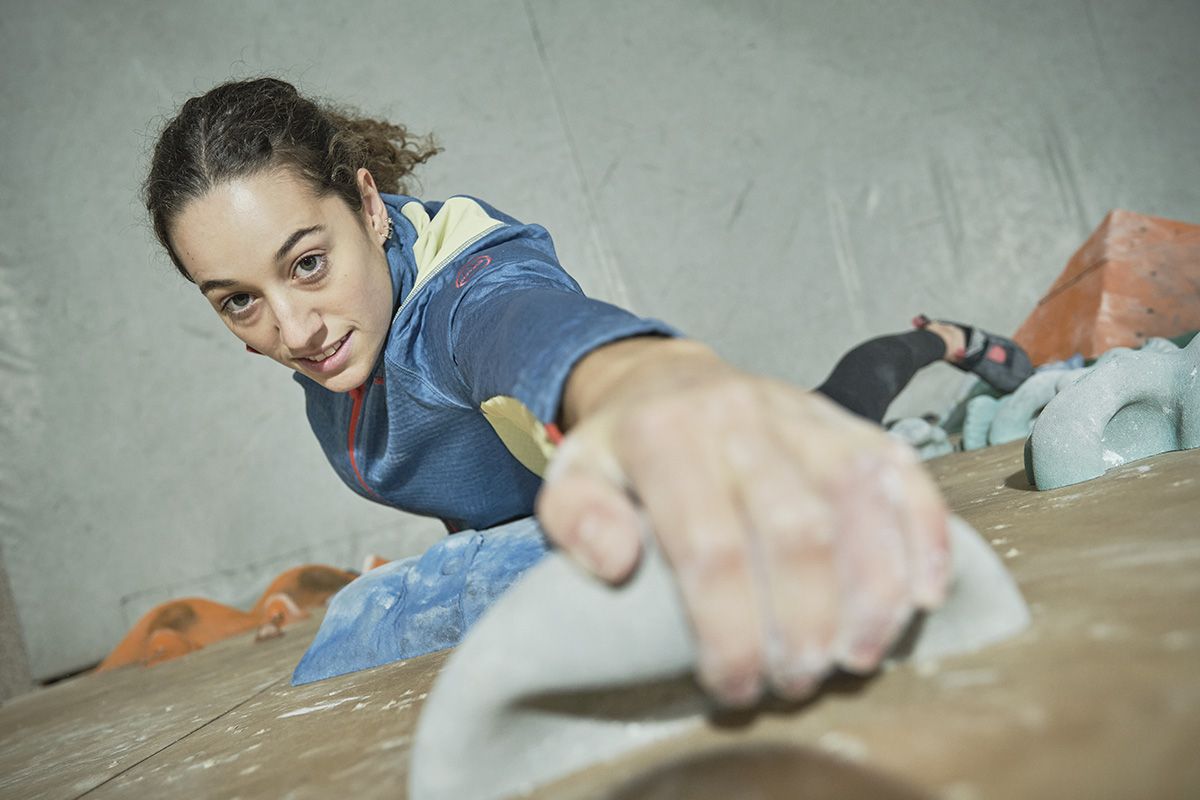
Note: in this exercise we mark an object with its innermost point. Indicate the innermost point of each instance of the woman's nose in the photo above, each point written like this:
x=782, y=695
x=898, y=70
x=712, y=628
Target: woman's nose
x=300, y=327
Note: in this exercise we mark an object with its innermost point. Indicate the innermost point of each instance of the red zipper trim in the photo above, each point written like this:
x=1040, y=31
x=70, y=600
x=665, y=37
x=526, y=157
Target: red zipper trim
x=358, y=395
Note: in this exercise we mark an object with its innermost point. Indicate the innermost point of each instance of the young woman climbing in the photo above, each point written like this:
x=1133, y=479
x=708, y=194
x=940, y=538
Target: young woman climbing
x=447, y=359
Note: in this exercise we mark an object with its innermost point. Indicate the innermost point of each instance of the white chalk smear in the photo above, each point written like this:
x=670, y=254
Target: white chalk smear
x=209, y=763
x=843, y=745
x=1032, y=717
x=1177, y=640
x=319, y=707
x=960, y=791
x=391, y=744
x=1104, y=631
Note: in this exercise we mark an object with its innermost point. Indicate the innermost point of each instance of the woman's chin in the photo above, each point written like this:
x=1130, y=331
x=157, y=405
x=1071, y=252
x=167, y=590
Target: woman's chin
x=350, y=377
x=344, y=381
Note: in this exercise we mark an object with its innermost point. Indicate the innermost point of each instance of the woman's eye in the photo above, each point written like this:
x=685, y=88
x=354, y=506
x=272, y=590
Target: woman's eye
x=309, y=266
x=237, y=303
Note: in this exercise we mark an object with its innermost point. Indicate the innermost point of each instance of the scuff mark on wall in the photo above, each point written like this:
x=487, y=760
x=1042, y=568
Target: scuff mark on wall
x=739, y=204
x=1058, y=159
x=617, y=289
x=843, y=253
x=949, y=206
x=1096, y=42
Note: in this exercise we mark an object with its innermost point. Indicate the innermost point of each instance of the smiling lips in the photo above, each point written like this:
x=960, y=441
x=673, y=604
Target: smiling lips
x=330, y=358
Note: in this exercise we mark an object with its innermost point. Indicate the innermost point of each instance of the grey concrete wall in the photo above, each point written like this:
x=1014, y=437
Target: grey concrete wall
x=779, y=178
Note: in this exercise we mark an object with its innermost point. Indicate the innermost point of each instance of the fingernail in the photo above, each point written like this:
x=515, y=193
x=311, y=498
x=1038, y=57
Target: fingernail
x=730, y=690
x=934, y=577
x=864, y=655
x=800, y=675
x=878, y=637
x=739, y=692
x=589, y=535
x=796, y=687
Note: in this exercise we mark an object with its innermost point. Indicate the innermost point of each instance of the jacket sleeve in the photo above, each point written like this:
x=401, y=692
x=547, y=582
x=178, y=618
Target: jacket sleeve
x=517, y=323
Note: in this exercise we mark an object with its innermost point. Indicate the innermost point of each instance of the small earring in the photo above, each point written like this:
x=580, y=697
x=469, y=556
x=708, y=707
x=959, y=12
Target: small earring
x=388, y=233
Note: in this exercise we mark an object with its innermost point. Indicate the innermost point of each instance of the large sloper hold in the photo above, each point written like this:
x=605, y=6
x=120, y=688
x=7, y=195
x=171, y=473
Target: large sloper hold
x=1131, y=405
x=564, y=671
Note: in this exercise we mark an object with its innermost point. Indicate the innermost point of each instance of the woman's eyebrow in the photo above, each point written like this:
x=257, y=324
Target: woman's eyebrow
x=295, y=237
x=288, y=244
x=208, y=286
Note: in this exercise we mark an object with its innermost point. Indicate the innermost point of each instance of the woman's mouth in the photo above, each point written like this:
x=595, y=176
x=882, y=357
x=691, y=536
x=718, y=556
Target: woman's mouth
x=331, y=358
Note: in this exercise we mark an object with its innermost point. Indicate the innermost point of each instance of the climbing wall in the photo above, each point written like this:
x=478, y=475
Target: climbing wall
x=780, y=179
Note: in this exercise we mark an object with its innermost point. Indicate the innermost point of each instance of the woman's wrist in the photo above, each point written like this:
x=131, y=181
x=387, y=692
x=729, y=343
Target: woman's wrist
x=626, y=368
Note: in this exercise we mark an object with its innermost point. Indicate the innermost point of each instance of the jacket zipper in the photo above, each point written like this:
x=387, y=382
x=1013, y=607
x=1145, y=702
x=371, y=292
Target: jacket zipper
x=358, y=394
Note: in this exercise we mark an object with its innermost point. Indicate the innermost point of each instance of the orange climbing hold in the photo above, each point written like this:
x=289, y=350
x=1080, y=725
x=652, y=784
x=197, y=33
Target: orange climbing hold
x=373, y=561
x=307, y=586
x=175, y=628
x=1135, y=277
x=178, y=627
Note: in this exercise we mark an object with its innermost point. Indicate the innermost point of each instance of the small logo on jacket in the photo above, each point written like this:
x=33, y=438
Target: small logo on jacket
x=470, y=268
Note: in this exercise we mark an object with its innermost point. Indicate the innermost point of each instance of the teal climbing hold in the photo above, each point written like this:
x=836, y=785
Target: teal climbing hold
x=927, y=439
x=1017, y=412
x=981, y=411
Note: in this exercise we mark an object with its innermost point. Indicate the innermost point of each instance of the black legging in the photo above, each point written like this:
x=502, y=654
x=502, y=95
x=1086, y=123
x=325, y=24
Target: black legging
x=869, y=377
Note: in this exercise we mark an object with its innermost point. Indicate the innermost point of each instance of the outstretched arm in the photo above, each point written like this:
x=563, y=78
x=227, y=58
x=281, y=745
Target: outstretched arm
x=802, y=537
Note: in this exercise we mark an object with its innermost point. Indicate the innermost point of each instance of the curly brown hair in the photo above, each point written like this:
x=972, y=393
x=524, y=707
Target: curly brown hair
x=242, y=128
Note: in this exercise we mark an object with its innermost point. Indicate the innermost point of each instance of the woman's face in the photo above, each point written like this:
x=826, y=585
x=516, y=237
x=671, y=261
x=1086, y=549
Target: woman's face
x=300, y=278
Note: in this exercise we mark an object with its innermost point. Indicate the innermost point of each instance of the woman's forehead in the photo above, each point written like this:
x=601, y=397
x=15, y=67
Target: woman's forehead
x=241, y=224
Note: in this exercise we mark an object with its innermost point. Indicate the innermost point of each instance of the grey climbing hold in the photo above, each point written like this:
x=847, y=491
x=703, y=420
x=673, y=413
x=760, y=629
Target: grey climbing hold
x=1131, y=405
x=1017, y=412
x=564, y=671
x=929, y=440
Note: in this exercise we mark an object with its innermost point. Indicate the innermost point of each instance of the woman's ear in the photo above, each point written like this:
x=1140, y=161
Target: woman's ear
x=373, y=208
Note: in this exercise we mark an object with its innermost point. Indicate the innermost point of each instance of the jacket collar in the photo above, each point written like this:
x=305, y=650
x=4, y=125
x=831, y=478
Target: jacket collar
x=402, y=268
